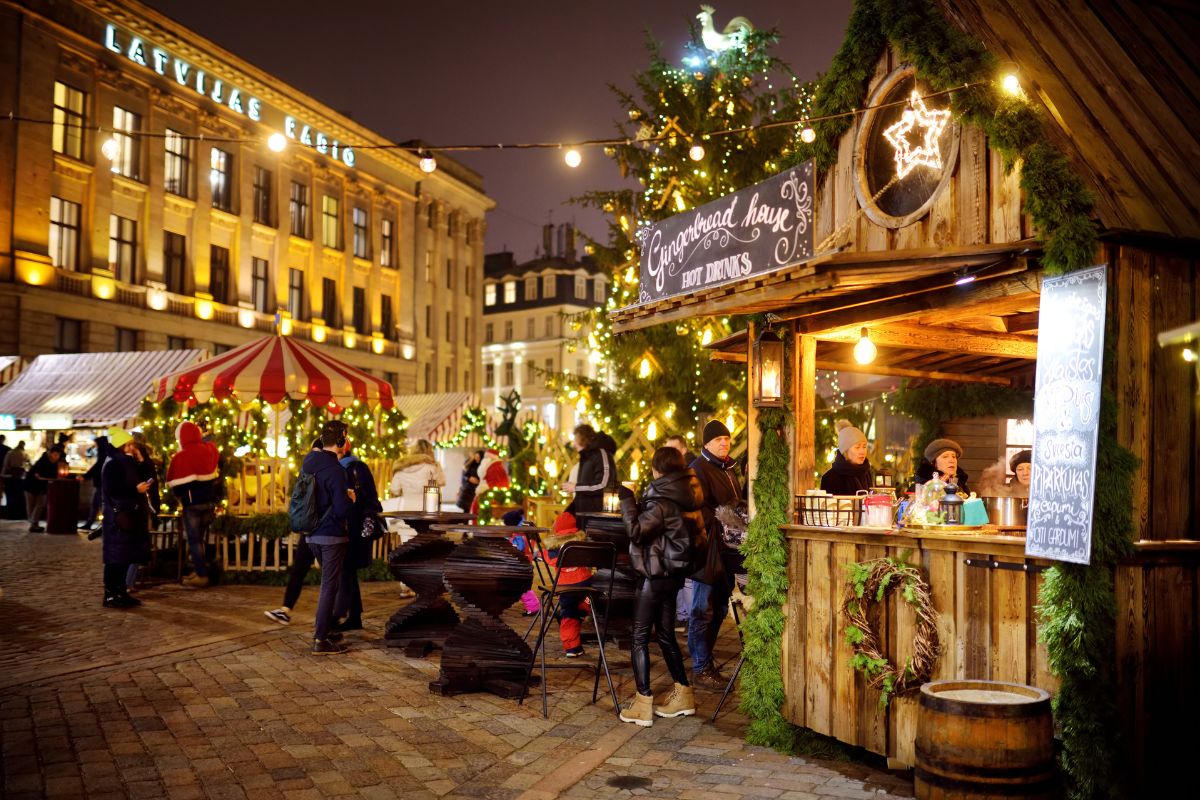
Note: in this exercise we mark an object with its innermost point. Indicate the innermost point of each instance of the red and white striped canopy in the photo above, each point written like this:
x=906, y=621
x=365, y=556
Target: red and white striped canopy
x=273, y=369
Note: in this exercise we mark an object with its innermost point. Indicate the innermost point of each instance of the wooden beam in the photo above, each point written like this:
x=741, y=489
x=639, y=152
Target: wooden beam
x=732, y=358
x=900, y=372
x=1021, y=323
x=918, y=337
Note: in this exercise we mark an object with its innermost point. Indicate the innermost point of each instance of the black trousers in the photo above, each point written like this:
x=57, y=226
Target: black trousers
x=302, y=561
x=114, y=580
x=654, y=607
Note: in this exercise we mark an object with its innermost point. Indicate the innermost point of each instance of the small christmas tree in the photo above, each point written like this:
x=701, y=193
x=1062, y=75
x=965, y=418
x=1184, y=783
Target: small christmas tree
x=659, y=380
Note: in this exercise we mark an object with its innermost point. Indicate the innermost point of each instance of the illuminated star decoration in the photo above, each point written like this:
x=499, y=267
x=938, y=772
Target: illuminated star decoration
x=927, y=152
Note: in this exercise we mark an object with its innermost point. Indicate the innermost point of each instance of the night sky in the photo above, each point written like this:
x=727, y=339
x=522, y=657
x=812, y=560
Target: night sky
x=472, y=71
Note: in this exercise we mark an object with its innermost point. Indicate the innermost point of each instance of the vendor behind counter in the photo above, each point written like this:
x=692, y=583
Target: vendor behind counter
x=941, y=456
x=851, y=471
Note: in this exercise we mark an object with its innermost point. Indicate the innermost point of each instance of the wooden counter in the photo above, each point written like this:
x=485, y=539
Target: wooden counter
x=986, y=627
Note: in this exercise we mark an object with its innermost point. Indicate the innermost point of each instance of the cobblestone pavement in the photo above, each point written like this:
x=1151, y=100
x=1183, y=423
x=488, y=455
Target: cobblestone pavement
x=196, y=694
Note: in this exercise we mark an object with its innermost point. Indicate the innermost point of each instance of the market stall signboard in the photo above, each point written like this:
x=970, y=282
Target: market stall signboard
x=1066, y=416
x=750, y=232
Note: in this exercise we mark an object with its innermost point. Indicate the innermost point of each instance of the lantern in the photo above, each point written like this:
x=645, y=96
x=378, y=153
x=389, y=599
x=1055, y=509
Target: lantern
x=951, y=506
x=612, y=502
x=768, y=371
x=433, y=499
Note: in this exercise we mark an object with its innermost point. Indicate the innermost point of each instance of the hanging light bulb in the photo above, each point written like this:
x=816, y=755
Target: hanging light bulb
x=110, y=149
x=573, y=158
x=808, y=135
x=428, y=162
x=1012, y=84
x=276, y=142
x=865, y=351
x=696, y=152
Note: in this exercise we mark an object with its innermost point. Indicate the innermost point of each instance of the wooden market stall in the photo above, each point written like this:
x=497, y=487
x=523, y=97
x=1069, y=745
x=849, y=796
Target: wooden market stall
x=946, y=278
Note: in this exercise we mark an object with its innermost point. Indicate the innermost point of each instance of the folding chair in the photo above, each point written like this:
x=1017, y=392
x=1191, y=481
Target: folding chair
x=593, y=555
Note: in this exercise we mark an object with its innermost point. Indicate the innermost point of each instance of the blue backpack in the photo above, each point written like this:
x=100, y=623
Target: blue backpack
x=303, y=515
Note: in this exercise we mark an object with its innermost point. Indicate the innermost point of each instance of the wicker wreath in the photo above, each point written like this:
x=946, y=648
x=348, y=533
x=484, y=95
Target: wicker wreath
x=871, y=582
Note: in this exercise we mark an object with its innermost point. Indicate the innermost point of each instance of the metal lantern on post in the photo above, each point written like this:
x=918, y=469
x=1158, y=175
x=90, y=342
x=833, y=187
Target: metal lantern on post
x=768, y=370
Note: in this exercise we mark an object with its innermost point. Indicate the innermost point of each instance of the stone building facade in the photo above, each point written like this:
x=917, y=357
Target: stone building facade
x=143, y=207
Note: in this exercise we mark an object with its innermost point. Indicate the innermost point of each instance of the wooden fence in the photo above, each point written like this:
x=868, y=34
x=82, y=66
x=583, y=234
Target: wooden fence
x=264, y=484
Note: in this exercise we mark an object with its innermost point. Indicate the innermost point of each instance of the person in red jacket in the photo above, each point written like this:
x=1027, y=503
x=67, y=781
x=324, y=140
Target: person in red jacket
x=193, y=476
x=492, y=475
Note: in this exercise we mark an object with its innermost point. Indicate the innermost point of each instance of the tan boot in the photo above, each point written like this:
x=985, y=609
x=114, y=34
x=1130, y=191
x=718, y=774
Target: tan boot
x=639, y=710
x=196, y=581
x=679, y=703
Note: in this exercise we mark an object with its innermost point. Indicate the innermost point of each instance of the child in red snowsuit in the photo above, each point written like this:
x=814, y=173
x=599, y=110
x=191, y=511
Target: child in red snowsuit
x=572, y=607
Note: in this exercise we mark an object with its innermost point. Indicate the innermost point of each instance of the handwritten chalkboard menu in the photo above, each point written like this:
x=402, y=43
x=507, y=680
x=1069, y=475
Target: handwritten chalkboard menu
x=755, y=230
x=1066, y=416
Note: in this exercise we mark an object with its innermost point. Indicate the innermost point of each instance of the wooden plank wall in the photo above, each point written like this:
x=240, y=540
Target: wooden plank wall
x=986, y=626
x=1159, y=417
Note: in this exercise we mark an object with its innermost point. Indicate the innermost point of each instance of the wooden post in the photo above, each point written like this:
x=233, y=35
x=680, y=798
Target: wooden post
x=804, y=400
x=752, y=434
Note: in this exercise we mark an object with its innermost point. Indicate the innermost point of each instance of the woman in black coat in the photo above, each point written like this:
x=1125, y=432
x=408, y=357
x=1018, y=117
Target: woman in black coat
x=851, y=471
x=941, y=456
x=126, y=518
x=661, y=536
x=349, y=608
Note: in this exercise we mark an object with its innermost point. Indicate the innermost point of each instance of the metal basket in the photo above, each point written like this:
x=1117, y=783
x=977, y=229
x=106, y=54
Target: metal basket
x=829, y=510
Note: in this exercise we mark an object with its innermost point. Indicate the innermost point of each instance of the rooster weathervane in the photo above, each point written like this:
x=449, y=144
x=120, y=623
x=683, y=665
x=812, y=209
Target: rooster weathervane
x=733, y=35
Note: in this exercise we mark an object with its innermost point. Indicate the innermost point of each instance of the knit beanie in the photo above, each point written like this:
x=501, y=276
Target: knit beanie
x=939, y=446
x=1023, y=457
x=848, y=435
x=713, y=429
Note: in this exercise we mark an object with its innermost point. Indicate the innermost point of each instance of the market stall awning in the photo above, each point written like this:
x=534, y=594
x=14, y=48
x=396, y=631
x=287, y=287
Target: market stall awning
x=832, y=279
x=95, y=390
x=434, y=416
x=273, y=369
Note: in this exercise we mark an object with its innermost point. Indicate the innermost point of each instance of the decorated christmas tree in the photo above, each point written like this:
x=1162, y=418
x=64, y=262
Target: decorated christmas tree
x=693, y=134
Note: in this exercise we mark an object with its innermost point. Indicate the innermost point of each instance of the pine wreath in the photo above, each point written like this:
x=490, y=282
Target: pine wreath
x=870, y=582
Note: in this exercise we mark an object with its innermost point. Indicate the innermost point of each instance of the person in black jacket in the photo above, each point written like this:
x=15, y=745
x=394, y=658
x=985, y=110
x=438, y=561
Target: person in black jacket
x=851, y=471
x=597, y=469
x=941, y=456
x=328, y=541
x=349, y=606
x=712, y=583
x=470, y=481
x=126, y=518
x=37, y=484
x=661, y=537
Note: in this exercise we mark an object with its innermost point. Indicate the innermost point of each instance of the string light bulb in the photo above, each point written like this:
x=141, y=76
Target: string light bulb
x=696, y=152
x=808, y=135
x=276, y=142
x=110, y=149
x=865, y=350
x=428, y=163
x=572, y=158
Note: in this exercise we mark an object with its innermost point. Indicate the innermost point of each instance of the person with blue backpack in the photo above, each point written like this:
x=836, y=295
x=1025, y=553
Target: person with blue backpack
x=320, y=507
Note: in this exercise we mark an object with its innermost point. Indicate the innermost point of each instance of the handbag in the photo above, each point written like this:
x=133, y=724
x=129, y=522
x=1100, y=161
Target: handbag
x=373, y=527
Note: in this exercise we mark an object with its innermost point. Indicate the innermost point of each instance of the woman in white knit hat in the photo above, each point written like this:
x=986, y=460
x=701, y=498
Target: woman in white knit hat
x=851, y=471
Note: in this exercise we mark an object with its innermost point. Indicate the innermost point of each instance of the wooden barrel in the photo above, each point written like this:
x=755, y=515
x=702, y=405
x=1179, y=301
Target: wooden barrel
x=984, y=739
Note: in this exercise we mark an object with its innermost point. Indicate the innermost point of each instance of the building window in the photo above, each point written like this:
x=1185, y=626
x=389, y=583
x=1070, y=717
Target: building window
x=580, y=369
x=428, y=266
x=428, y=322
x=489, y=294
x=449, y=273
x=64, y=233
x=508, y=374
x=175, y=262
x=298, y=210
x=468, y=280
x=220, y=177
x=430, y=214
x=530, y=373
x=549, y=365
x=126, y=126
x=386, y=243
x=508, y=331
x=329, y=303
x=531, y=287
x=530, y=326
x=489, y=375
x=598, y=290
x=386, y=323
x=429, y=387
x=510, y=291
x=218, y=273
x=177, y=343
x=262, y=196
x=177, y=172
x=296, y=293
x=330, y=222
x=451, y=227
x=219, y=348
x=449, y=385
x=122, y=247
x=467, y=381
x=449, y=328
x=580, y=287
x=489, y=333
x=391, y=378
x=127, y=340
x=358, y=218
x=549, y=326
x=547, y=286
x=69, y=117
x=259, y=283
x=467, y=331
x=69, y=336
x=359, y=312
